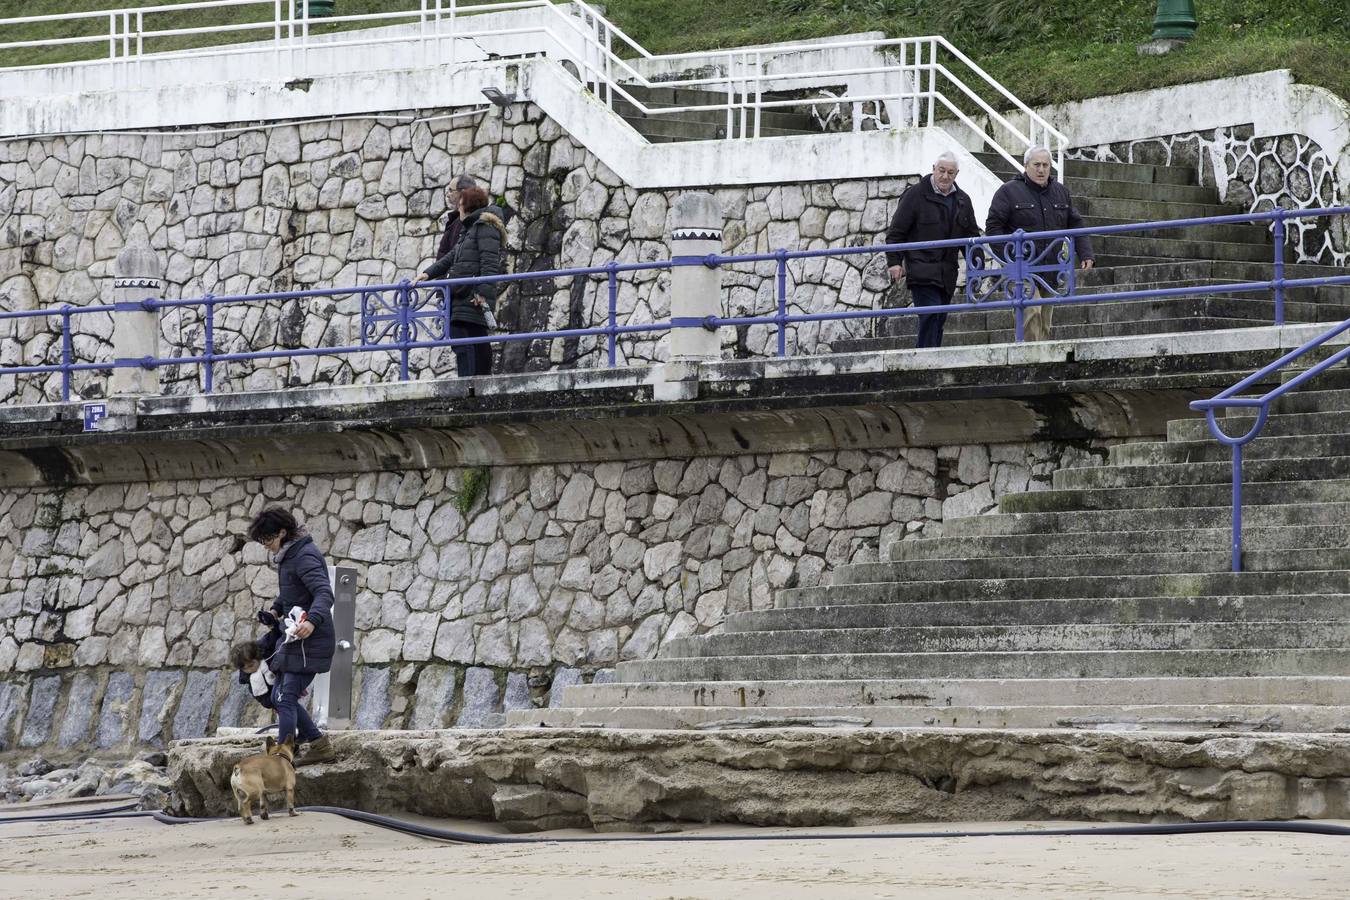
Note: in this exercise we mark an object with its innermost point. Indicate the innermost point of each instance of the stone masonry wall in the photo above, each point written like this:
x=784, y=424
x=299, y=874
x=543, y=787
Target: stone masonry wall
x=118, y=603
x=1256, y=175
x=360, y=201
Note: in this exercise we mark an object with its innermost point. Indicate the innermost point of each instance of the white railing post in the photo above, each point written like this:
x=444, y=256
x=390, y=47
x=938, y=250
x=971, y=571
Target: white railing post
x=112, y=35
x=759, y=90
x=454, y=20
x=731, y=91
x=932, y=81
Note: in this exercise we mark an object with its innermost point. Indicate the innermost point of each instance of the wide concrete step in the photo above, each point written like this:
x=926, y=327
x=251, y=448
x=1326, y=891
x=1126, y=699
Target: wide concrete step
x=1091, y=169
x=1079, y=543
x=924, y=693
x=1179, y=248
x=1191, y=663
x=779, y=120
x=1253, y=471
x=1218, y=306
x=1270, y=515
x=912, y=570
x=1003, y=638
x=1122, y=209
x=1118, y=189
x=1178, y=495
x=1278, y=425
x=957, y=334
x=1303, y=446
x=1235, y=719
x=1081, y=585
x=665, y=130
x=1071, y=611
x=1236, y=233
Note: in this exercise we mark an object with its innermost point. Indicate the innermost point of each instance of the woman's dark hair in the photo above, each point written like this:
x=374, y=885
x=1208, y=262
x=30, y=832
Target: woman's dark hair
x=245, y=652
x=472, y=198
x=271, y=521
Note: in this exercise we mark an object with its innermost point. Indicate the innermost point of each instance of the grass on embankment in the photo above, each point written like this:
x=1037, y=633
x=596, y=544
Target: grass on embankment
x=1045, y=52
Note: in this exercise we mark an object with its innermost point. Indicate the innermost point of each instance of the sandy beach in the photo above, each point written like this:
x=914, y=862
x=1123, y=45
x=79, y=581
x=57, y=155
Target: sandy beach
x=324, y=856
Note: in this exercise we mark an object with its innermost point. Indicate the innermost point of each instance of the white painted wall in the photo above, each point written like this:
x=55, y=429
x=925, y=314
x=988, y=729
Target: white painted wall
x=1271, y=102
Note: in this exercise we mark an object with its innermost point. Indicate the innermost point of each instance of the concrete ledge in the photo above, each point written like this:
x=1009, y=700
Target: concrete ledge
x=1107, y=389
x=532, y=779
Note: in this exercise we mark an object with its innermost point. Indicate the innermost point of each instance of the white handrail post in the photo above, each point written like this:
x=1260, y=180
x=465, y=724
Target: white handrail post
x=454, y=20
x=608, y=47
x=932, y=81
x=745, y=92
x=140, y=30
x=112, y=35
x=276, y=34
x=759, y=90
x=731, y=92
x=422, y=31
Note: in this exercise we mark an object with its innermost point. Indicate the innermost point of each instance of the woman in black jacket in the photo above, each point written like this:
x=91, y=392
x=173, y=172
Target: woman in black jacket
x=302, y=584
x=478, y=252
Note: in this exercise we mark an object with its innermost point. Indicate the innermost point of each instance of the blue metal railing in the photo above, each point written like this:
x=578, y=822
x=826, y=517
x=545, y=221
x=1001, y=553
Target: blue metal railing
x=1229, y=399
x=1011, y=272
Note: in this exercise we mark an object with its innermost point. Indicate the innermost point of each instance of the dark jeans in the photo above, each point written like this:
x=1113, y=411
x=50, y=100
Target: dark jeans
x=930, y=326
x=471, y=359
x=290, y=714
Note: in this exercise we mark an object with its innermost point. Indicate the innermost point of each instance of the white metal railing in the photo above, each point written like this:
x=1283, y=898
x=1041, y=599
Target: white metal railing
x=916, y=78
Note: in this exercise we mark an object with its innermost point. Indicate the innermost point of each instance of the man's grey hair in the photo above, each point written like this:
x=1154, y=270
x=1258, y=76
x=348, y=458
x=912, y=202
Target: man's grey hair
x=1032, y=151
x=948, y=157
x=460, y=182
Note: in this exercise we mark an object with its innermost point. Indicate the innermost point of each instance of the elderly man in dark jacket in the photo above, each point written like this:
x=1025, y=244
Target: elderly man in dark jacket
x=935, y=209
x=1035, y=201
x=307, y=649
x=478, y=253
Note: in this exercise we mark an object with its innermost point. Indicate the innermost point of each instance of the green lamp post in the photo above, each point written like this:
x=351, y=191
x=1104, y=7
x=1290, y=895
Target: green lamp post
x=1175, y=20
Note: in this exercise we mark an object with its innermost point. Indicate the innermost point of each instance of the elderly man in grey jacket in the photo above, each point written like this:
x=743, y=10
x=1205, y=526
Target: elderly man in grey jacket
x=1035, y=201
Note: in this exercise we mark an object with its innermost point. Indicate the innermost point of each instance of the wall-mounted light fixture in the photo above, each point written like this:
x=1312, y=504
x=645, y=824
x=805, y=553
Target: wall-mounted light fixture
x=498, y=98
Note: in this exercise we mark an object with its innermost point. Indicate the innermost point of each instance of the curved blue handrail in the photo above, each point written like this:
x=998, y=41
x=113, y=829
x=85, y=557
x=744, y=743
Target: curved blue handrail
x=1228, y=399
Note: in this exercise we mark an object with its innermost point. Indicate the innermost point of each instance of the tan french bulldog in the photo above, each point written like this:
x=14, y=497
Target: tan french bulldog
x=270, y=772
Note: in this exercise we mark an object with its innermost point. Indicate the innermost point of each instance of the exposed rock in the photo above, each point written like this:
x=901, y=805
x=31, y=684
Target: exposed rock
x=374, y=705
x=636, y=779
x=116, y=714
x=159, y=688
x=79, y=711
x=37, y=725
x=480, y=698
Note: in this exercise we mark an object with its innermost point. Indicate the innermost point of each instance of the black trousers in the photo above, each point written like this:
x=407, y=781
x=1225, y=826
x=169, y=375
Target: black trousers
x=930, y=326
x=471, y=359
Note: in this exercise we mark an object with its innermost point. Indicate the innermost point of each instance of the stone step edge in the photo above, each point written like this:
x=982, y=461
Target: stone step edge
x=1180, y=717
x=1197, y=533
x=1321, y=690
x=862, y=609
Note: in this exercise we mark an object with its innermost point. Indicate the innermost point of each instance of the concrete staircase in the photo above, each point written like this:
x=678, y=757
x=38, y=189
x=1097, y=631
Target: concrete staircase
x=694, y=125
x=1118, y=193
x=1105, y=602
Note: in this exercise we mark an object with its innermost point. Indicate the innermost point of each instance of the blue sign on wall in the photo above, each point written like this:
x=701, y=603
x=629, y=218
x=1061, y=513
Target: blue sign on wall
x=92, y=413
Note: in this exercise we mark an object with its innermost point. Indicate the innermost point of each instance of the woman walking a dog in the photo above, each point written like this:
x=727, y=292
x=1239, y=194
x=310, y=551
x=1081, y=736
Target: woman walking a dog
x=304, y=606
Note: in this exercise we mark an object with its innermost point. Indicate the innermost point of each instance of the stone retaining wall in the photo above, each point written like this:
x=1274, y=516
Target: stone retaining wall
x=360, y=201
x=118, y=603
